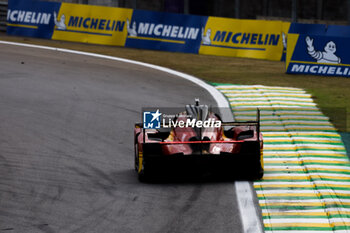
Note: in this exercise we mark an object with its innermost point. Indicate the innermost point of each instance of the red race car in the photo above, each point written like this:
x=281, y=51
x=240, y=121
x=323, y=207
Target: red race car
x=196, y=141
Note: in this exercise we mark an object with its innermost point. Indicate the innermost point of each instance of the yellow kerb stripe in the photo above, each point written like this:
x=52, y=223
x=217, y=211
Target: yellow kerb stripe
x=297, y=225
x=295, y=214
x=303, y=194
x=294, y=204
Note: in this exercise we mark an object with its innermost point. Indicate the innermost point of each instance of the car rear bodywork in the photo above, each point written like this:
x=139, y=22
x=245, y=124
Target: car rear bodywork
x=233, y=150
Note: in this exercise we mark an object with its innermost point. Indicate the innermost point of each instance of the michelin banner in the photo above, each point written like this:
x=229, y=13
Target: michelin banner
x=165, y=31
x=69, y=22
x=91, y=24
x=31, y=18
x=147, y=29
x=318, y=50
x=244, y=38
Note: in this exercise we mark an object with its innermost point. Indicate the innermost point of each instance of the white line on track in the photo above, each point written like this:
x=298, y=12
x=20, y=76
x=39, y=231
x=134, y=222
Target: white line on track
x=345, y=160
x=307, y=166
x=304, y=211
x=306, y=231
x=297, y=182
x=312, y=191
x=248, y=212
x=308, y=174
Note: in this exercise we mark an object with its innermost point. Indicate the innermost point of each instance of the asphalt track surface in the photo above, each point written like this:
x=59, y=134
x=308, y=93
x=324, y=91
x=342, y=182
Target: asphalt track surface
x=66, y=149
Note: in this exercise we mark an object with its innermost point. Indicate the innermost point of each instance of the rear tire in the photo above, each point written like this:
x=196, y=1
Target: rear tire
x=142, y=175
x=260, y=174
x=136, y=159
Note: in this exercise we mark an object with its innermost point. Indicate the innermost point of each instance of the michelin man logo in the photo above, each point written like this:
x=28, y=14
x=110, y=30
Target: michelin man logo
x=61, y=25
x=131, y=30
x=206, y=37
x=284, y=41
x=327, y=56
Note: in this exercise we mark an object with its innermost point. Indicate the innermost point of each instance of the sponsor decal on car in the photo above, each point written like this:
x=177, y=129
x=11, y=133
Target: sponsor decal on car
x=192, y=123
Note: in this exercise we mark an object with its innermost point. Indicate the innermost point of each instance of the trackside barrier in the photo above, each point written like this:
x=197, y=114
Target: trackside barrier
x=148, y=30
x=318, y=49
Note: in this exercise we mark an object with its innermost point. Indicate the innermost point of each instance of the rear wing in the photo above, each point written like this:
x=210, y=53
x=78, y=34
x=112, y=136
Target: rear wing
x=230, y=123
